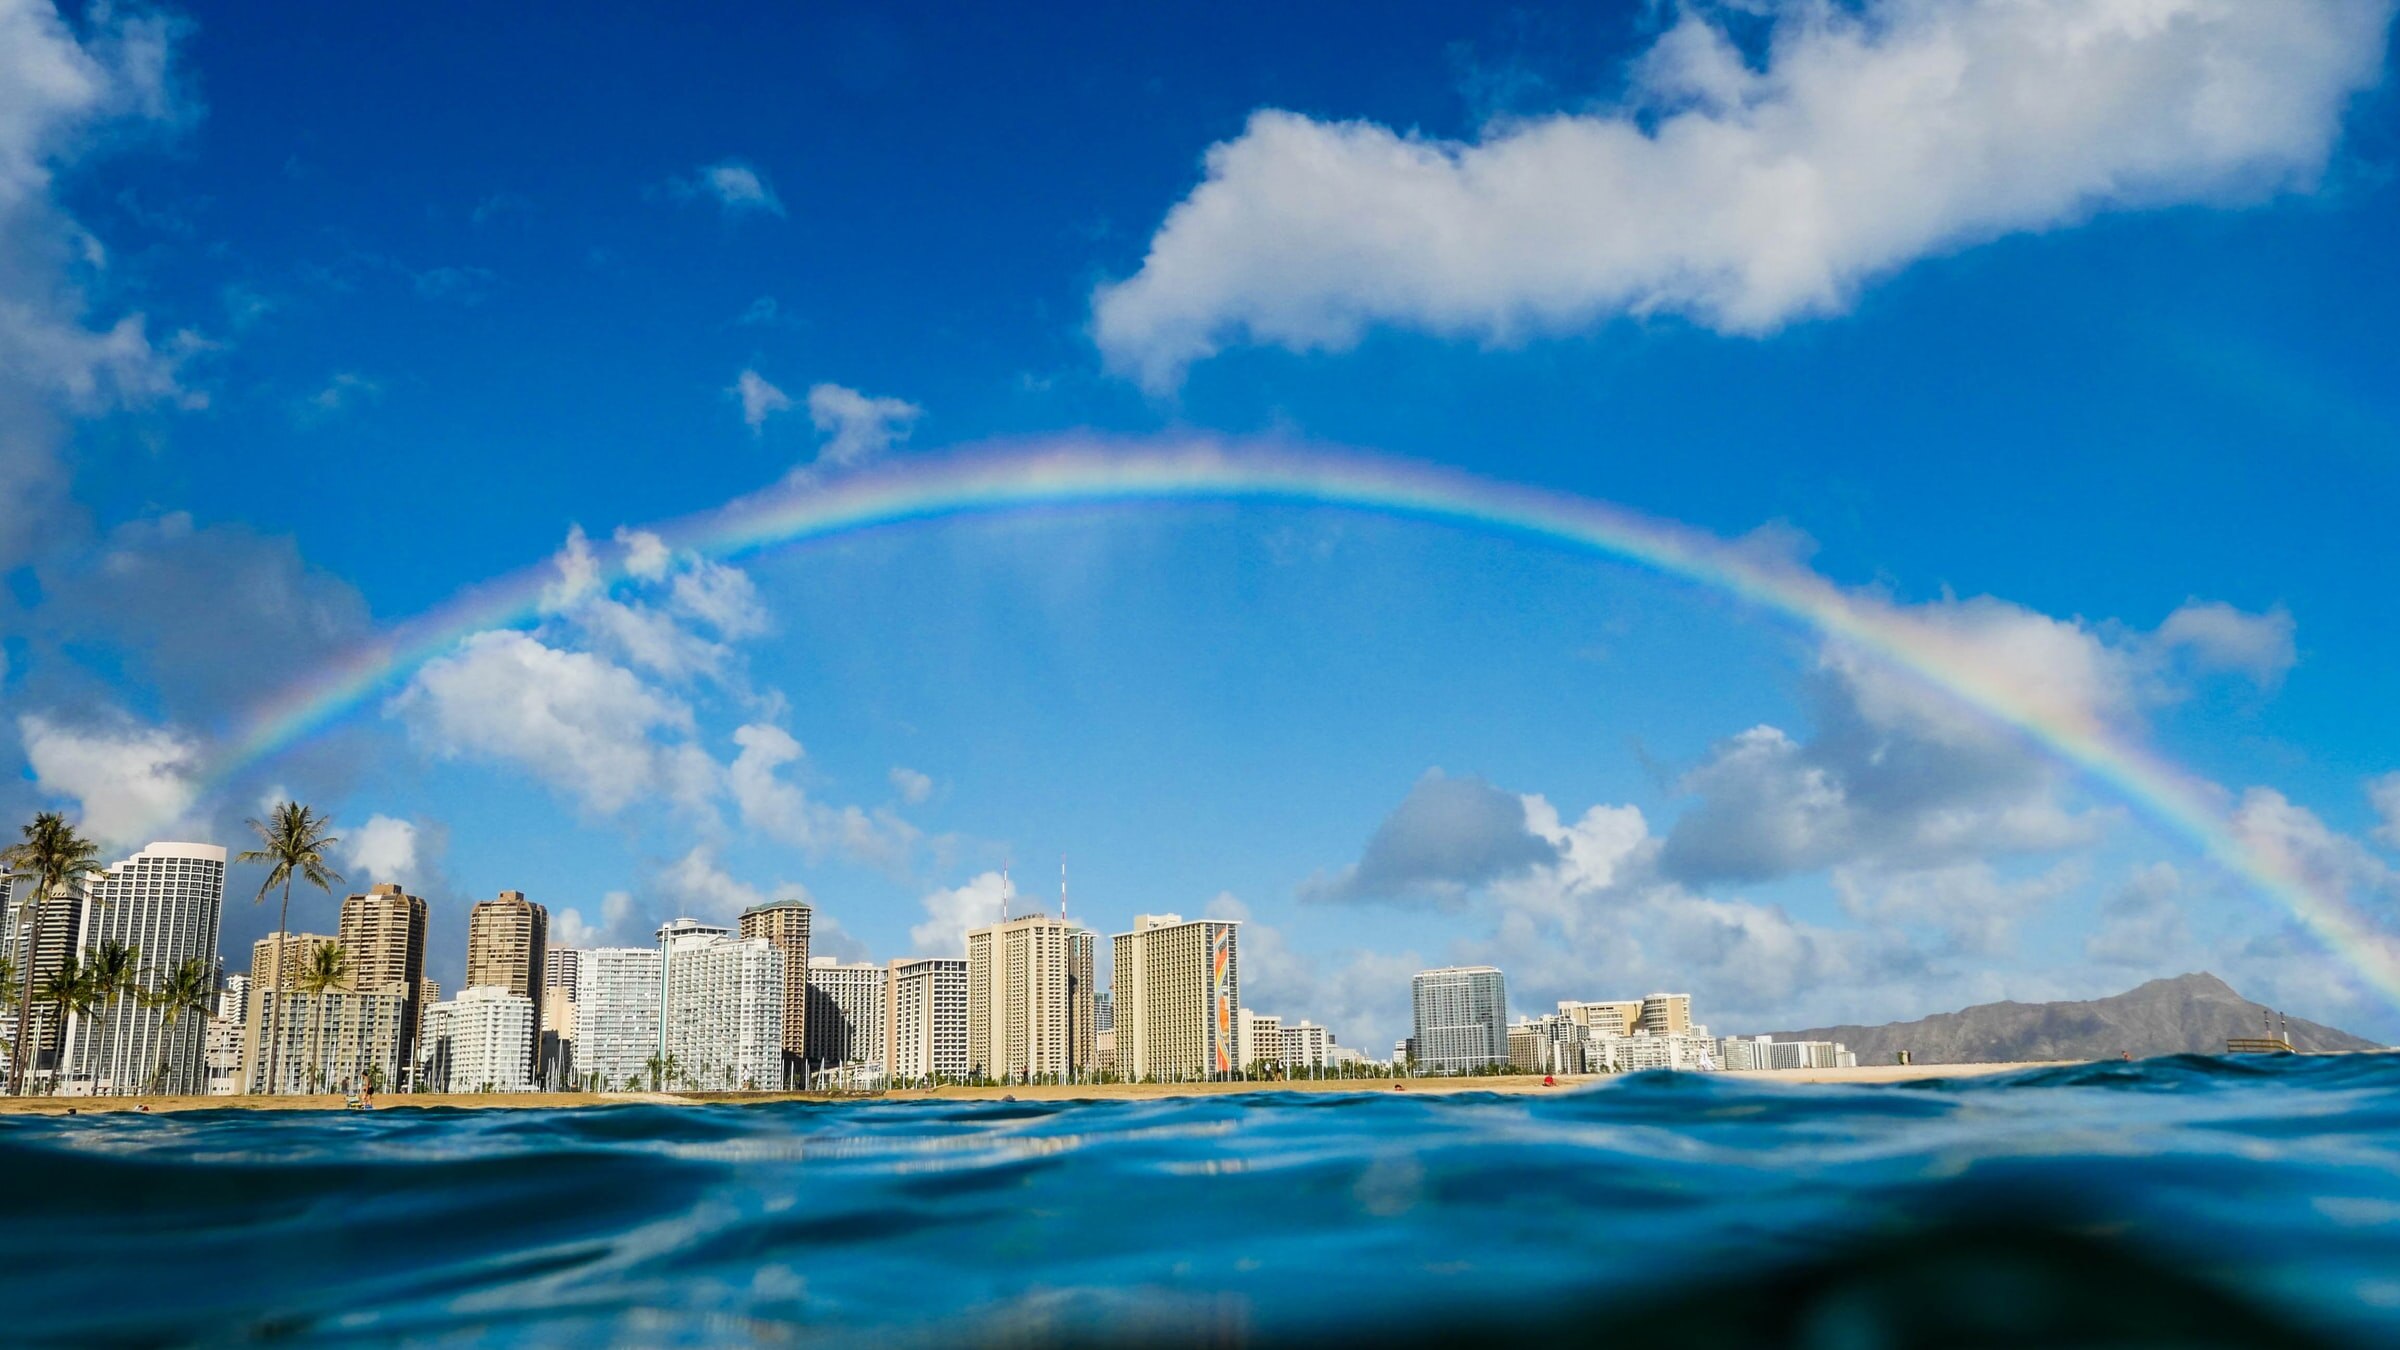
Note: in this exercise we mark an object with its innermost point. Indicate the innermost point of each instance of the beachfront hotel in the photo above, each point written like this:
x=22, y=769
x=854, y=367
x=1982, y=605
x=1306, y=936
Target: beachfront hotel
x=334, y=1040
x=1260, y=1044
x=616, y=1015
x=165, y=903
x=787, y=923
x=721, y=1006
x=506, y=942
x=845, y=1012
x=1177, y=988
x=1029, y=998
x=925, y=1019
x=1461, y=1018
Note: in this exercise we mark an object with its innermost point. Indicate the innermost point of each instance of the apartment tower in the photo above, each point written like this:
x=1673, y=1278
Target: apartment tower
x=384, y=933
x=785, y=923
x=925, y=1019
x=1461, y=1015
x=1029, y=998
x=507, y=948
x=721, y=1009
x=845, y=1012
x=1177, y=998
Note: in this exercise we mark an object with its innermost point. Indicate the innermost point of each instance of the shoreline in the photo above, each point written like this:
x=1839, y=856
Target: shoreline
x=1505, y=1085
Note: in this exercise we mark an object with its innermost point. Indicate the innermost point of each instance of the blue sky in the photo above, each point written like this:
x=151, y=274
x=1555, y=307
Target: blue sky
x=2066, y=331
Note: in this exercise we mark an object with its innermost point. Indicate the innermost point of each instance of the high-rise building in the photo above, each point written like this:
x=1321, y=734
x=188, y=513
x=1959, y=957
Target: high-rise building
x=925, y=1020
x=164, y=903
x=490, y=1032
x=616, y=1016
x=1029, y=999
x=40, y=935
x=224, y=1046
x=1104, y=1010
x=1461, y=1018
x=1177, y=988
x=786, y=923
x=384, y=933
x=721, y=1017
x=507, y=948
x=1666, y=1015
x=557, y=1051
x=845, y=1013
x=559, y=968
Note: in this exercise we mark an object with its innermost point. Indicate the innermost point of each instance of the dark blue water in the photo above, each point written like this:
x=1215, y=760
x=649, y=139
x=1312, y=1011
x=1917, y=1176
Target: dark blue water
x=2178, y=1201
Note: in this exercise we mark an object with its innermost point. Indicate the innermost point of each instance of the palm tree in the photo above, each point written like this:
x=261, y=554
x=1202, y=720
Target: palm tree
x=116, y=971
x=73, y=991
x=55, y=859
x=327, y=969
x=295, y=842
x=191, y=987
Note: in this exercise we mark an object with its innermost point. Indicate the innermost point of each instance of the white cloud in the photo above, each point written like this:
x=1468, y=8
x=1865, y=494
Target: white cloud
x=1743, y=197
x=383, y=849
x=128, y=781
x=913, y=787
x=2299, y=842
x=858, y=427
x=646, y=555
x=722, y=597
x=759, y=399
x=61, y=87
x=578, y=573
x=783, y=811
x=705, y=889
x=2384, y=794
x=2216, y=636
x=951, y=912
x=568, y=927
x=738, y=188
x=579, y=723
x=1970, y=904
x=2142, y=926
x=1446, y=839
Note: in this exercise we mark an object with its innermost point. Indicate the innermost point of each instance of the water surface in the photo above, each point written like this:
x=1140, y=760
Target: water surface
x=2191, y=1201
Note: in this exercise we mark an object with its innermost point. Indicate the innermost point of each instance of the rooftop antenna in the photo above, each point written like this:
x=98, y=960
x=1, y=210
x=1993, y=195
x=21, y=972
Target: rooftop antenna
x=1062, y=888
x=1006, y=888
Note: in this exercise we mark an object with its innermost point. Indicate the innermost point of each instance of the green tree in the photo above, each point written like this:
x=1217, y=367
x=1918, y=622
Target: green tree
x=294, y=841
x=115, y=970
x=190, y=987
x=56, y=860
x=326, y=969
x=72, y=990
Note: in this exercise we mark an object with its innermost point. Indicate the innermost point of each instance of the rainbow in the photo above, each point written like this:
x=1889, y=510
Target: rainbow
x=1096, y=472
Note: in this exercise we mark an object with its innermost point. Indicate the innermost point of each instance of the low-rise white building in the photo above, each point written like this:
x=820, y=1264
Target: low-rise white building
x=1259, y=1042
x=1307, y=1046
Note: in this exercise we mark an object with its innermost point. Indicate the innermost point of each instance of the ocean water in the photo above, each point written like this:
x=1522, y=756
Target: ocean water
x=2185, y=1201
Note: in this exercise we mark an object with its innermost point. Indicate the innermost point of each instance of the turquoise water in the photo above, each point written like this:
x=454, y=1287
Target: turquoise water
x=2177, y=1201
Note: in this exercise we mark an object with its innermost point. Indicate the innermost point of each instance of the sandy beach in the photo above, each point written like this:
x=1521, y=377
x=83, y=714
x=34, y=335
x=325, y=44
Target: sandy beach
x=1506, y=1085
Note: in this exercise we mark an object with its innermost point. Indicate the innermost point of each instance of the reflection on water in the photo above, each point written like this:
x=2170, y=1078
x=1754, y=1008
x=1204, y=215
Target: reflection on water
x=2173, y=1202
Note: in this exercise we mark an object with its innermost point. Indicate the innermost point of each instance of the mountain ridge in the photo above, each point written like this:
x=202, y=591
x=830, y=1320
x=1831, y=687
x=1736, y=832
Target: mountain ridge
x=2183, y=1014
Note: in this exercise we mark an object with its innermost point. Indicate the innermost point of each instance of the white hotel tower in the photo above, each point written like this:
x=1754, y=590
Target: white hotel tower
x=165, y=902
x=722, y=1011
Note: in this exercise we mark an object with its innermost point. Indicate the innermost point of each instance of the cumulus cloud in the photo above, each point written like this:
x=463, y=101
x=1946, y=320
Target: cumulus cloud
x=585, y=726
x=2216, y=636
x=1972, y=906
x=658, y=638
x=913, y=787
x=722, y=597
x=857, y=426
x=128, y=781
x=737, y=188
x=383, y=849
x=952, y=911
x=785, y=812
x=1448, y=837
x=569, y=928
x=2142, y=926
x=2301, y=843
x=1743, y=195
x=704, y=889
x=759, y=399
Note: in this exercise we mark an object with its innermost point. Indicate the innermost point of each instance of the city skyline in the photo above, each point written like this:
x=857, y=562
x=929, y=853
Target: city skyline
x=1844, y=605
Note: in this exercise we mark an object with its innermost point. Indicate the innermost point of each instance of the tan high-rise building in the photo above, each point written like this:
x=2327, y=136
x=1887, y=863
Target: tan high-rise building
x=267, y=976
x=1029, y=999
x=1667, y=1014
x=785, y=923
x=384, y=933
x=1176, y=998
x=507, y=940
